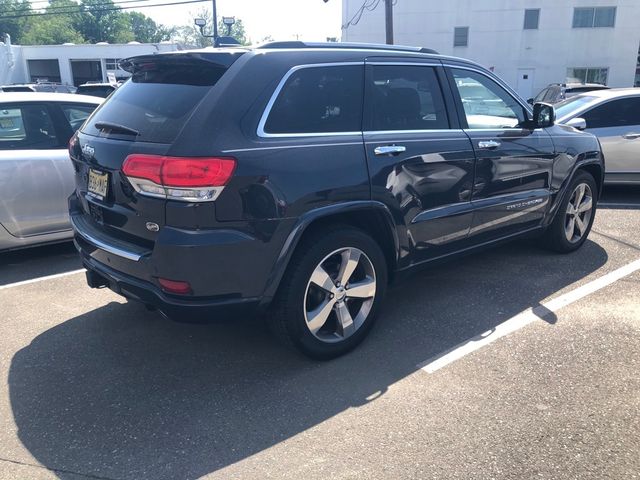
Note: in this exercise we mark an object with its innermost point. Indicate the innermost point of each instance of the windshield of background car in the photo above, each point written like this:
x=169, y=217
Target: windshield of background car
x=570, y=105
x=157, y=100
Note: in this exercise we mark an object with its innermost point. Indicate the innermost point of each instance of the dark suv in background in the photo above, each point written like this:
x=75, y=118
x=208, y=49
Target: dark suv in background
x=299, y=179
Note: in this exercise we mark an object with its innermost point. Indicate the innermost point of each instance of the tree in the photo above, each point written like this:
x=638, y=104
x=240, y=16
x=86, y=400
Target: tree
x=145, y=30
x=100, y=22
x=15, y=27
x=51, y=30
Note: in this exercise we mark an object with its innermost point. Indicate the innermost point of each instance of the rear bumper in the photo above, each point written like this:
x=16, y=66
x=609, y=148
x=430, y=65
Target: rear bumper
x=187, y=309
x=228, y=269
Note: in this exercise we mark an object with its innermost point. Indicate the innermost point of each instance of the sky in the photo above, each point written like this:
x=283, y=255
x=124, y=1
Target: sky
x=311, y=20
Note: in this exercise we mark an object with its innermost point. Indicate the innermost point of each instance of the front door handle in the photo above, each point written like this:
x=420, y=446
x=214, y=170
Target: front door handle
x=390, y=150
x=631, y=136
x=488, y=144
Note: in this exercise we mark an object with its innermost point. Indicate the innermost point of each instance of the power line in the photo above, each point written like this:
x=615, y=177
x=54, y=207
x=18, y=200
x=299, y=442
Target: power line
x=70, y=8
x=79, y=10
x=369, y=6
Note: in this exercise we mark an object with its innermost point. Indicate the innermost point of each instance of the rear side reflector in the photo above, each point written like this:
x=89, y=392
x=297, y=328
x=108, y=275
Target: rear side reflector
x=191, y=179
x=174, y=286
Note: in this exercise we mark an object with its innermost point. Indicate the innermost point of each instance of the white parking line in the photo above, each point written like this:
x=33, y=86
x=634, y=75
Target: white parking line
x=618, y=205
x=525, y=318
x=41, y=279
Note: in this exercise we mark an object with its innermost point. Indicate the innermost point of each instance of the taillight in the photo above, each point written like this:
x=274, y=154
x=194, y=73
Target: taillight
x=190, y=179
x=73, y=141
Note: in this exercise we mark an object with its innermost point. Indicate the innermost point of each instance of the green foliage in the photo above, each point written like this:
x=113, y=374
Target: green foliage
x=13, y=26
x=89, y=21
x=145, y=30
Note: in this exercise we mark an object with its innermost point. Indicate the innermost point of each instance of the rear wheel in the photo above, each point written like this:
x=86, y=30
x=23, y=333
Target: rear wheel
x=330, y=294
x=575, y=216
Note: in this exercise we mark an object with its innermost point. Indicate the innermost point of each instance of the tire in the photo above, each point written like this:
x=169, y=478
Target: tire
x=312, y=309
x=567, y=219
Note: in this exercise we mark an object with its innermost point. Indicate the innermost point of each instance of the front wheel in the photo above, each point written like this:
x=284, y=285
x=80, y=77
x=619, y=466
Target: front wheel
x=330, y=294
x=575, y=216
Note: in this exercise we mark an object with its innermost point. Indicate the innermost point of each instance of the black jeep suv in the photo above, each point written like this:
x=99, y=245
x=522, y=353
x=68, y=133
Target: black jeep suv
x=298, y=179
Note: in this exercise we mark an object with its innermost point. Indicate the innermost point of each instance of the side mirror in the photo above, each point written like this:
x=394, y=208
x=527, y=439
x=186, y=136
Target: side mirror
x=577, y=122
x=530, y=101
x=544, y=115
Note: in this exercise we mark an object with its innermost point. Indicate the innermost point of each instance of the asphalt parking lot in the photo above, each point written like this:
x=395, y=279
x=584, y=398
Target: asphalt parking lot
x=512, y=363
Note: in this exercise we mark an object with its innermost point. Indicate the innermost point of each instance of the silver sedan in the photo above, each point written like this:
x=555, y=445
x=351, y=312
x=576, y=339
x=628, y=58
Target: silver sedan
x=36, y=175
x=614, y=117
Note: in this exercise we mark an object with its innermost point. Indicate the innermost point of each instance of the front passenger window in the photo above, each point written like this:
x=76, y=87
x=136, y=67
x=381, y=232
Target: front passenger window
x=486, y=104
x=405, y=97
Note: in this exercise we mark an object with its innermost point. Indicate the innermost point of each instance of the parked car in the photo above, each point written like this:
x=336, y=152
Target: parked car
x=557, y=92
x=39, y=87
x=298, y=179
x=96, y=89
x=614, y=117
x=36, y=176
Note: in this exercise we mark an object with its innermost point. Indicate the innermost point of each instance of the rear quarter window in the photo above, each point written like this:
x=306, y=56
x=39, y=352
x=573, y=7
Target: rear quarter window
x=323, y=99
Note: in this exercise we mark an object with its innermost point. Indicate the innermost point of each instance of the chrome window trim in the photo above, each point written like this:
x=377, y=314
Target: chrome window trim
x=402, y=64
x=402, y=132
x=265, y=115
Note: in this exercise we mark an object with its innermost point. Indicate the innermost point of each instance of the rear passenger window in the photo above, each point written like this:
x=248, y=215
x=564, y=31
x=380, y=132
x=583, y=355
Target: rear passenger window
x=616, y=113
x=405, y=97
x=77, y=114
x=319, y=100
x=27, y=127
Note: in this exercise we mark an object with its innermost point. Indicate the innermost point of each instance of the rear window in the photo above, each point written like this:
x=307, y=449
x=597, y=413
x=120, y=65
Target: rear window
x=157, y=100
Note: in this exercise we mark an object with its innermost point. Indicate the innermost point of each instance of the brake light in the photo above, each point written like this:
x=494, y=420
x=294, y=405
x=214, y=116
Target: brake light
x=192, y=179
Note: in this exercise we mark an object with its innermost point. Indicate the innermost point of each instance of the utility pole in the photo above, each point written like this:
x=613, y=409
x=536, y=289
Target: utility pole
x=388, y=19
x=215, y=25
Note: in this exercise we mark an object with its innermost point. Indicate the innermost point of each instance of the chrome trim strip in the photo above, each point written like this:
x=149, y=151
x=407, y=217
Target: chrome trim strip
x=410, y=64
x=265, y=115
x=400, y=132
x=105, y=246
x=279, y=147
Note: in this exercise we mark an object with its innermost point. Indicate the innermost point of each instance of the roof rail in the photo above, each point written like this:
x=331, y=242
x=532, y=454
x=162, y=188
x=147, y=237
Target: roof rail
x=338, y=45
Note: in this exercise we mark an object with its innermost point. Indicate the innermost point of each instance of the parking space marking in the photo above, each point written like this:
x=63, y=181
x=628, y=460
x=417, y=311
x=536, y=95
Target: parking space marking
x=41, y=279
x=525, y=318
x=618, y=205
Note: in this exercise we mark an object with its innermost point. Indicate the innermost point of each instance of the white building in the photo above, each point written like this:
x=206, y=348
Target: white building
x=69, y=64
x=529, y=43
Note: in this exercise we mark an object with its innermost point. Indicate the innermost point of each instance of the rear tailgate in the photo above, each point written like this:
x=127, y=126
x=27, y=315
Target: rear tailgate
x=143, y=116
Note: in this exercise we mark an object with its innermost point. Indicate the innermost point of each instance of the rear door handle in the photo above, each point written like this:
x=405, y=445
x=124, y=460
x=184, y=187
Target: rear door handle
x=488, y=144
x=390, y=150
x=631, y=136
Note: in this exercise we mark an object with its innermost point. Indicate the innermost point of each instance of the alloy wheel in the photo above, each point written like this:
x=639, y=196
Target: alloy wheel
x=340, y=295
x=579, y=211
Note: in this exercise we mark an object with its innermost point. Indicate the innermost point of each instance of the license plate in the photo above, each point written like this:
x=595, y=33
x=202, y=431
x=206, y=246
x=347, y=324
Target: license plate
x=6, y=123
x=98, y=184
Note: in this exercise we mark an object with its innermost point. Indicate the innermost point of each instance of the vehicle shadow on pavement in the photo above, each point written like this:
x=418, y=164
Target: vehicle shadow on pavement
x=30, y=263
x=119, y=392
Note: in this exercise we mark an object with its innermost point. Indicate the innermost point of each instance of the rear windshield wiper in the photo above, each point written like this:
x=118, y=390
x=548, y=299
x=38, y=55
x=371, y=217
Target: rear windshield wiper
x=115, y=128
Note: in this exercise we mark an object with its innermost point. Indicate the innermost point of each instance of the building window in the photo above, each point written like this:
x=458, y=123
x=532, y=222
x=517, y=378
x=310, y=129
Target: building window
x=461, y=37
x=112, y=63
x=593, y=17
x=531, y=18
x=587, y=75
